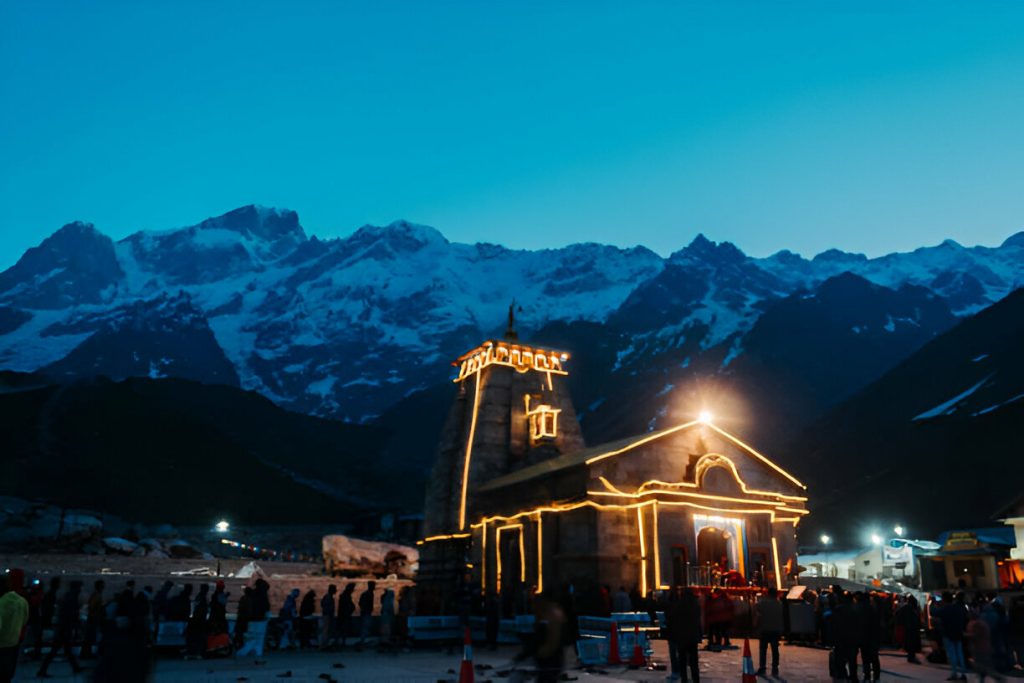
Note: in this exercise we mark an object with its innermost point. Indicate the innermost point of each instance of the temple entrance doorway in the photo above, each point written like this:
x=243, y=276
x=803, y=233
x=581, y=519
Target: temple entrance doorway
x=712, y=546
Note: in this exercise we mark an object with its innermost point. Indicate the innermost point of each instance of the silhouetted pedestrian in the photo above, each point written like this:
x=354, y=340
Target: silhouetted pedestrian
x=769, y=624
x=346, y=608
x=366, y=611
x=328, y=618
x=94, y=616
x=64, y=632
x=684, y=632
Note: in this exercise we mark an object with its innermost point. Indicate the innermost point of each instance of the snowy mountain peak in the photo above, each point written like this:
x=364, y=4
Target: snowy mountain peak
x=74, y=265
x=401, y=236
x=703, y=249
x=258, y=222
x=839, y=256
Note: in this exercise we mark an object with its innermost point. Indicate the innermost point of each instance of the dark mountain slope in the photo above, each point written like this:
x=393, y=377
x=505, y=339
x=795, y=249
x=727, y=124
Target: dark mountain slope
x=934, y=443
x=157, y=450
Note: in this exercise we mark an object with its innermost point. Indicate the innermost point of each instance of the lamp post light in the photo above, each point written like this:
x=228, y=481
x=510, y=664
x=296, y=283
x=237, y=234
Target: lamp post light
x=826, y=541
x=899, y=530
x=705, y=416
x=222, y=526
x=876, y=539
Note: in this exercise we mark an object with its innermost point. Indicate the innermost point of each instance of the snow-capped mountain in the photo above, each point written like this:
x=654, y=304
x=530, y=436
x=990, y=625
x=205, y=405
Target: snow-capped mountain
x=348, y=327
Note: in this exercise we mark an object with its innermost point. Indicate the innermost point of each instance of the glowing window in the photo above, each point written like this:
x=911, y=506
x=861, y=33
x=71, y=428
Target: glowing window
x=543, y=421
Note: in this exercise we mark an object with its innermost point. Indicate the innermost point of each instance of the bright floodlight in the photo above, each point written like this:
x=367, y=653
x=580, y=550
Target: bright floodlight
x=704, y=416
x=826, y=539
x=898, y=529
x=876, y=539
x=222, y=526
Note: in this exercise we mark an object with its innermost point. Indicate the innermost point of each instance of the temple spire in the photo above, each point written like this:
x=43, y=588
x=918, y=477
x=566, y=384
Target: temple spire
x=510, y=333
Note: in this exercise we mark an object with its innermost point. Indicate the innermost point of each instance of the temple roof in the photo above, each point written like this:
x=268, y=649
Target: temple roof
x=614, y=448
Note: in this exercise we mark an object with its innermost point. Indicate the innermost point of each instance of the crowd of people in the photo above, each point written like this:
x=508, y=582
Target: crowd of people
x=120, y=629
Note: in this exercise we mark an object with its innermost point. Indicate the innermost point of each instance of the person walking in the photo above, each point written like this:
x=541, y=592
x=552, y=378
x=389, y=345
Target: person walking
x=366, y=611
x=95, y=613
x=979, y=634
x=328, y=619
x=195, y=631
x=13, y=619
x=64, y=632
x=684, y=633
x=387, y=617
x=769, y=625
x=346, y=608
x=307, y=608
x=260, y=606
x=218, y=621
x=286, y=617
x=244, y=616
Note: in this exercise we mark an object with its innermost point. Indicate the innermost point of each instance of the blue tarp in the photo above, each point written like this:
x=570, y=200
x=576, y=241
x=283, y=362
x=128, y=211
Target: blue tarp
x=996, y=535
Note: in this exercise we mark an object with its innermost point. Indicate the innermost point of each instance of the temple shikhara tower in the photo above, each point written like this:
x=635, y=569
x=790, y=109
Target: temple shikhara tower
x=515, y=496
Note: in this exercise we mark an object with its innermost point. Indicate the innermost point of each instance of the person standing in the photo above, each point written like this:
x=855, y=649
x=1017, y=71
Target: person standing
x=769, y=624
x=684, y=633
x=64, y=633
x=846, y=631
x=908, y=618
x=952, y=617
x=13, y=618
x=621, y=601
x=366, y=611
x=328, y=637
x=871, y=636
x=1015, y=631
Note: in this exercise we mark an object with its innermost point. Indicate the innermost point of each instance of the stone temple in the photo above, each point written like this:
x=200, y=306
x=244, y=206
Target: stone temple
x=517, y=501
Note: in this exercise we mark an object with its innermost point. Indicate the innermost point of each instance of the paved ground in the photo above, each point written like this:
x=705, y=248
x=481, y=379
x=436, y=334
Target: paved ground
x=430, y=666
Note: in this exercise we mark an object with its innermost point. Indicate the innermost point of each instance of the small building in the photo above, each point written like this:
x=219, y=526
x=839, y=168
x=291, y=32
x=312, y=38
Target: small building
x=969, y=558
x=516, y=500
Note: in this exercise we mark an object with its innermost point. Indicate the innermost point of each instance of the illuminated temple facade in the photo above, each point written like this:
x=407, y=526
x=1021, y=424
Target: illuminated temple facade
x=515, y=497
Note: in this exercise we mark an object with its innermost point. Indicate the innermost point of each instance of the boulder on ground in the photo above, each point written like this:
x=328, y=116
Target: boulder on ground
x=346, y=554
x=120, y=545
x=179, y=549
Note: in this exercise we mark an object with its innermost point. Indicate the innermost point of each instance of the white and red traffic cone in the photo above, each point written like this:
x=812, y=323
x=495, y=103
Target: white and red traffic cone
x=638, y=658
x=613, y=645
x=466, y=671
x=749, y=676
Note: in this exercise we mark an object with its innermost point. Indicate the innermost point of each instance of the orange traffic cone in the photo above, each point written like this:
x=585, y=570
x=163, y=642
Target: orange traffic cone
x=638, y=658
x=748, y=664
x=466, y=672
x=613, y=645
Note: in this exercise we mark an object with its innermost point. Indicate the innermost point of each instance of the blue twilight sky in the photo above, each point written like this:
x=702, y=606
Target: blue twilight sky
x=869, y=126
